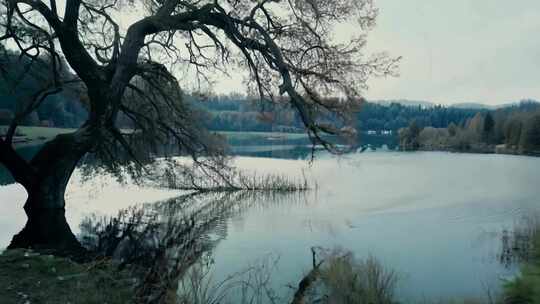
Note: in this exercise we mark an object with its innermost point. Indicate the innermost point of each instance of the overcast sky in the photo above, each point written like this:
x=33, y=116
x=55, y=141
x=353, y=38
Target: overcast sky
x=485, y=51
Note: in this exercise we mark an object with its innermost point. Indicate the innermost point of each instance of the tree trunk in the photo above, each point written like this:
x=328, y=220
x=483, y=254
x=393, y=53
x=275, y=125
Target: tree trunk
x=47, y=227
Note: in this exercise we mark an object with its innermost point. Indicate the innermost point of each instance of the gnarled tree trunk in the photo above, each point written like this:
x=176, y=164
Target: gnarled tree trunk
x=47, y=227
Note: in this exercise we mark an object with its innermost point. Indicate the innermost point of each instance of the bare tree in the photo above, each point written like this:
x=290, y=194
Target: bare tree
x=287, y=46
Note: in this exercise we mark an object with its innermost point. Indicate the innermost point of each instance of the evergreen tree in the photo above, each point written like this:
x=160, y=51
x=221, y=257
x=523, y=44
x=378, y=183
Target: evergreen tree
x=489, y=126
x=530, y=138
x=452, y=129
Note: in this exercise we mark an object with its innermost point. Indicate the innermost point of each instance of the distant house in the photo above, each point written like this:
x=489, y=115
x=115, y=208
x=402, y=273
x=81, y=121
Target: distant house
x=372, y=132
x=386, y=132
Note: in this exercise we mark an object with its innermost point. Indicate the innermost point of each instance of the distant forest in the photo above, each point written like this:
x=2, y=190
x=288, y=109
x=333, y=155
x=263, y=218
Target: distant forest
x=513, y=130
x=239, y=113
x=21, y=81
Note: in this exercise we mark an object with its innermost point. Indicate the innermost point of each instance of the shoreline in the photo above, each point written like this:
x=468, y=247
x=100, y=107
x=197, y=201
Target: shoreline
x=480, y=149
x=479, y=152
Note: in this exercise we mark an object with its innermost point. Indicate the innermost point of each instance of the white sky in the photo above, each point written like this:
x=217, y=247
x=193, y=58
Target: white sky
x=454, y=51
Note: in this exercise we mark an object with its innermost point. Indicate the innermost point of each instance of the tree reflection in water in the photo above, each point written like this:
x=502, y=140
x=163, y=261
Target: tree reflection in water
x=161, y=241
x=517, y=244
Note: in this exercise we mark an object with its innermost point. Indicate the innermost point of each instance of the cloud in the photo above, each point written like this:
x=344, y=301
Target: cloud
x=454, y=51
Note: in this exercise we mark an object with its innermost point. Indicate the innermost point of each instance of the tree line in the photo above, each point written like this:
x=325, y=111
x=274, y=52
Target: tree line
x=514, y=129
x=22, y=78
x=375, y=116
x=236, y=112
x=429, y=127
x=232, y=112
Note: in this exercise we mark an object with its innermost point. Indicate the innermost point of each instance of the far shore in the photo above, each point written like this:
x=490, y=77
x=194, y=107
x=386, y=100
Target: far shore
x=28, y=136
x=481, y=149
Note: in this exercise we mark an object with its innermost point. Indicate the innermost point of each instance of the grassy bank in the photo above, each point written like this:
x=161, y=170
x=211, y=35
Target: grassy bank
x=32, y=135
x=28, y=136
x=28, y=277
x=525, y=245
x=264, y=138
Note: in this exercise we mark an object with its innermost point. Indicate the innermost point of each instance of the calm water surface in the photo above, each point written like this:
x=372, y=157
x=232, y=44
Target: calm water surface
x=434, y=217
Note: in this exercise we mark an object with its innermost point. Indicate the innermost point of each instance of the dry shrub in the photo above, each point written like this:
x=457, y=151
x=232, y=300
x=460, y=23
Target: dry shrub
x=345, y=279
x=251, y=285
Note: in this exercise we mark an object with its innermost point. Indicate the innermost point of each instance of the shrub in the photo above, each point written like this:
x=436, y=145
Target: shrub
x=523, y=245
x=345, y=279
x=530, y=137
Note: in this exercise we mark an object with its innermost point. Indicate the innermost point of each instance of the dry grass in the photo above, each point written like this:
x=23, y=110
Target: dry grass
x=251, y=285
x=203, y=178
x=523, y=244
x=345, y=279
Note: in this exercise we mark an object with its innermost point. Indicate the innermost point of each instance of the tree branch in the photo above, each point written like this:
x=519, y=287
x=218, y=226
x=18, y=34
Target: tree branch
x=19, y=168
x=36, y=102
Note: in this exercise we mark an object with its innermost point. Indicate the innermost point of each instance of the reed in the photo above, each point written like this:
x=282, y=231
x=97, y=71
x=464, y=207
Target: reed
x=205, y=179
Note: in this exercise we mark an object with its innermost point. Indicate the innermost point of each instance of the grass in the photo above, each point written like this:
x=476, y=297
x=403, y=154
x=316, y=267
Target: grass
x=262, y=148
x=268, y=135
x=264, y=138
x=526, y=242
x=35, y=135
x=200, y=178
x=43, y=132
x=345, y=279
x=28, y=277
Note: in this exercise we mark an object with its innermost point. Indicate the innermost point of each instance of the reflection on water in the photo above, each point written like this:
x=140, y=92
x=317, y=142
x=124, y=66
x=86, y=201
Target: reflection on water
x=195, y=221
x=436, y=218
x=518, y=242
x=293, y=151
x=27, y=153
x=163, y=240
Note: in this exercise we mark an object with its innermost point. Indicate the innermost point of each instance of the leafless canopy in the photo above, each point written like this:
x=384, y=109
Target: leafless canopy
x=288, y=47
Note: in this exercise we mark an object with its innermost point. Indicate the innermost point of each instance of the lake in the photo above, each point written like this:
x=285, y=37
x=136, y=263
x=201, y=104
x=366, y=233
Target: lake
x=436, y=218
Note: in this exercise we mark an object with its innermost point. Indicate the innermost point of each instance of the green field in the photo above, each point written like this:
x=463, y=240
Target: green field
x=267, y=135
x=264, y=138
x=37, y=135
x=28, y=136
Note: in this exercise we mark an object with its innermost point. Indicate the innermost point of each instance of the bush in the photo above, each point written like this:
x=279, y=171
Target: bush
x=523, y=245
x=347, y=280
x=530, y=137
